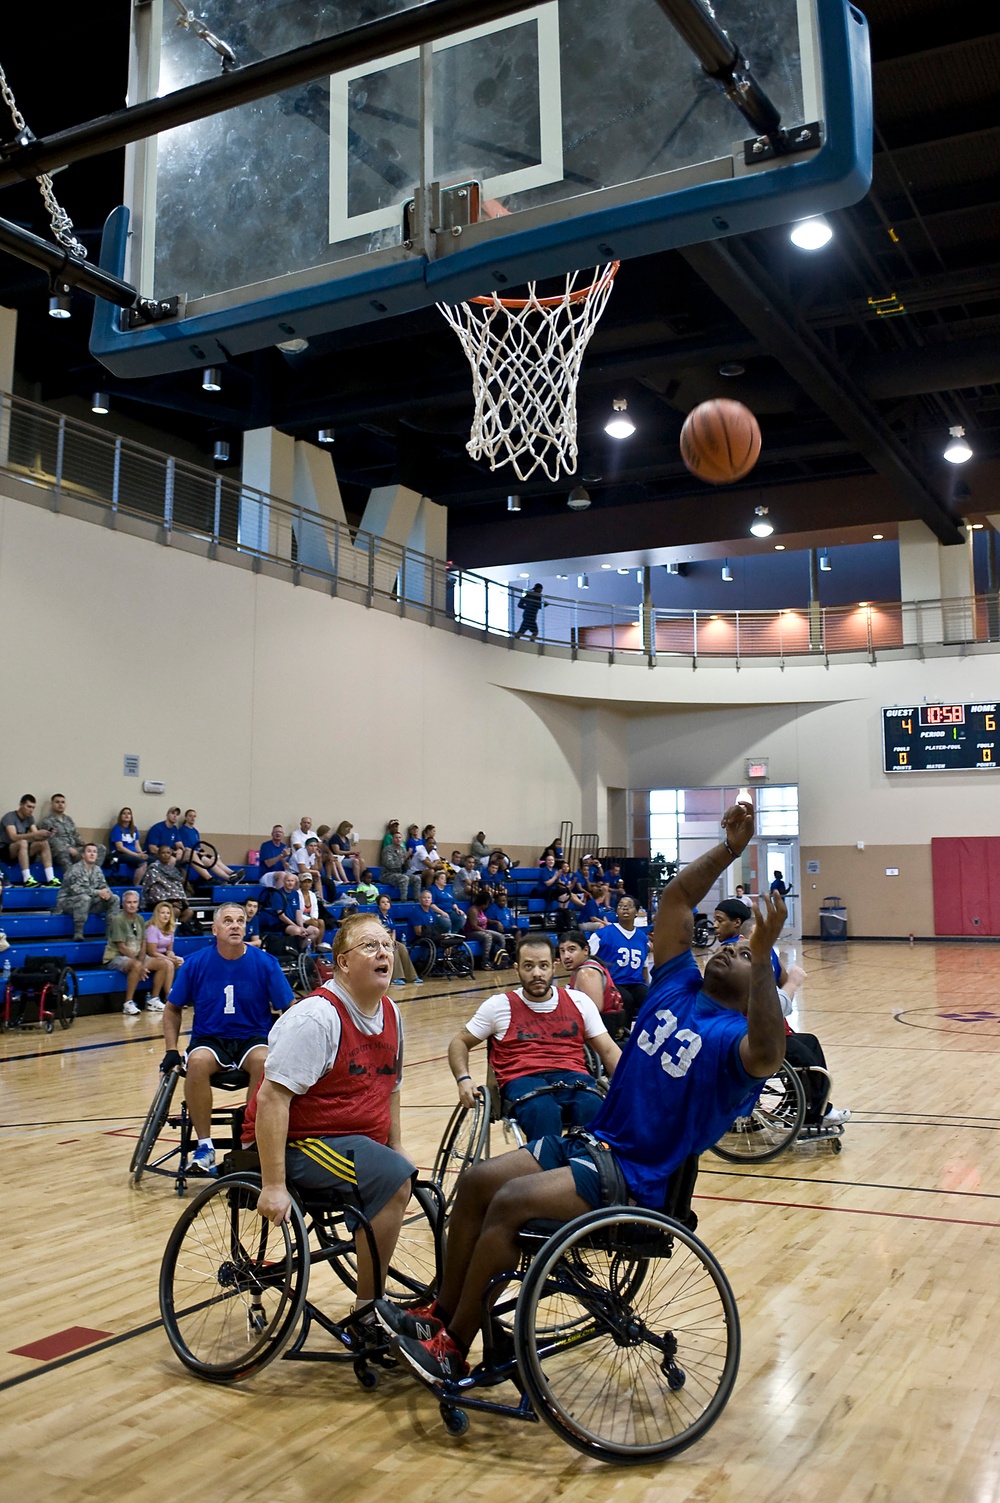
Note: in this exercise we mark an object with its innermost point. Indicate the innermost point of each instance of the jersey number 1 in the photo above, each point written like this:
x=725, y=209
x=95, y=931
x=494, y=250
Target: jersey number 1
x=230, y=1000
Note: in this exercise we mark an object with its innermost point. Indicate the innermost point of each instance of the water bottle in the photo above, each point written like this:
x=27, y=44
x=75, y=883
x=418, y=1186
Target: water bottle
x=6, y=976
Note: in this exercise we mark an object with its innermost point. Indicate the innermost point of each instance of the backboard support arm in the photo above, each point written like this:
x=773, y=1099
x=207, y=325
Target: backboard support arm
x=723, y=61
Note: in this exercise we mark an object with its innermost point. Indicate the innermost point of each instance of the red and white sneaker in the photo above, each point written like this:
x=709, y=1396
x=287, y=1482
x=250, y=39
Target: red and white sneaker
x=417, y=1321
x=435, y=1362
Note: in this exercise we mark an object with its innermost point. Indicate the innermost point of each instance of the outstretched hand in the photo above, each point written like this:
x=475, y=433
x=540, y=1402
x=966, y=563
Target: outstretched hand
x=769, y=922
x=738, y=827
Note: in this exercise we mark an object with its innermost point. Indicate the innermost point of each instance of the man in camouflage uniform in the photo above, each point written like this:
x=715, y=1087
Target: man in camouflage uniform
x=395, y=860
x=85, y=891
x=163, y=883
x=65, y=840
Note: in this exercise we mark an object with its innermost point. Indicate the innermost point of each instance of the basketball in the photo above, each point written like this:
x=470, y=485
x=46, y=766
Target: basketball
x=720, y=441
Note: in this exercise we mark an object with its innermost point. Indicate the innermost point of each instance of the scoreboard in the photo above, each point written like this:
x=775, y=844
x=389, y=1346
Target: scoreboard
x=940, y=738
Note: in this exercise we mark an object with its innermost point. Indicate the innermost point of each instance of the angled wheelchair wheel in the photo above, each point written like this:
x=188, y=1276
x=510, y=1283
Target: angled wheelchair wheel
x=232, y=1286
x=627, y=1335
x=423, y=953
x=154, y=1124
x=774, y=1123
x=308, y=972
x=461, y=960
x=415, y=1268
x=466, y=1140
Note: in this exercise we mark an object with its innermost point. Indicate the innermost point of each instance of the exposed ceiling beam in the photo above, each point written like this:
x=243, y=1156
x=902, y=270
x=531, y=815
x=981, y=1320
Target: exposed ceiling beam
x=747, y=289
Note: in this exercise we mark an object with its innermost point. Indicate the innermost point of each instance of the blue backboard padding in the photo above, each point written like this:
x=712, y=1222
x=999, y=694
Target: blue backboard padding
x=837, y=175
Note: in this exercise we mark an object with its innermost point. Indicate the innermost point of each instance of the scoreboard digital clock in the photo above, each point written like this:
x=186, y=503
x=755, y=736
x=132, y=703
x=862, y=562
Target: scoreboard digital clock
x=940, y=738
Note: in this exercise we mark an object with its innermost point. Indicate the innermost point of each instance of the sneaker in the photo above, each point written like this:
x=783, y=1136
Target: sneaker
x=834, y=1117
x=202, y=1161
x=435, y=1362
x=398, y=981
x=236, y=876
x=53, y=882
x=324, y=947
x=31, y=882
x=418, y=1322
x=154, y=1005
x=130, y=1010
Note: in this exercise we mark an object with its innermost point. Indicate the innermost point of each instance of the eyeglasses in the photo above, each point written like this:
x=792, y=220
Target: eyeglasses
x=373, y=947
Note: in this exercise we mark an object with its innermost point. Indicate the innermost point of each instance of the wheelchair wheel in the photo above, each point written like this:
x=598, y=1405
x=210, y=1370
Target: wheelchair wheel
x=415, y=1266
x=307, y=972
x=466, y=1140
x=154, y=1124
x=66, y=998
x=460, y=959
x=232, y=1286
x=423, y=953
x=774, y=1123
x=627, y=1335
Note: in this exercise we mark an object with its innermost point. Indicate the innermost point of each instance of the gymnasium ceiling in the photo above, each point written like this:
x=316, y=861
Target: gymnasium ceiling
x=857, y=359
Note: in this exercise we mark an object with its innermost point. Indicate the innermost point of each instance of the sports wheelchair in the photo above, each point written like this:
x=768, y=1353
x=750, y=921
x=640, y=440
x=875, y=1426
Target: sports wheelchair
x=623, y=1335
x=446, y=956
x=173, y=1162
x=466, y=1138
x=779, y=1118
x=302, y=969
x=44, y=986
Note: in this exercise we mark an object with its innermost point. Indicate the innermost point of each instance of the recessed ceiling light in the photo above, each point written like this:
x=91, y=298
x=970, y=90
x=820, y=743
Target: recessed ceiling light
x=779, y=547
x=977, y=526
x=624, y=571
x=562, y=576
x=812, y=233
x=732, y=368
x=606, y=566
x=524, y=576
x=877, y=537
x=863, y=604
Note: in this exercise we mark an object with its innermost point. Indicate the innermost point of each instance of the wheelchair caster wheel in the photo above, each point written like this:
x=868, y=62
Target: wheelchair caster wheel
x=366, y=1376
x=456, y=1421
x=181, y=1187
x=837, y=1146
x=49, y=1025
x=676, y=1376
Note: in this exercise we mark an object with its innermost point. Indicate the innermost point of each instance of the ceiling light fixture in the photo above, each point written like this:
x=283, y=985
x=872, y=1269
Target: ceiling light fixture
x=583, y=582
x=727, y=573
x=760, y=526
x=524, y=576
x=605, y=566
x=513, y=503
x=958, y=450
x=977, y=526
x=59, y=305
x=624, y=571
x=824, y=563
x=779, y=547
x=325, y=436
x=619, y=425
x=578, y=499
x=210, y=380
x=812, y=233
x=672, y=568
x=100, y=403
x=221, y=451
x=293, y=346
x=732, y=368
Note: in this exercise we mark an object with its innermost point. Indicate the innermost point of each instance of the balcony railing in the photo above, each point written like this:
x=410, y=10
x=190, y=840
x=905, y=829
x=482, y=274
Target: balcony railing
x=76, y=462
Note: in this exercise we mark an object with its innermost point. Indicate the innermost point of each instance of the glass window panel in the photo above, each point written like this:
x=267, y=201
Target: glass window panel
x=663, y=801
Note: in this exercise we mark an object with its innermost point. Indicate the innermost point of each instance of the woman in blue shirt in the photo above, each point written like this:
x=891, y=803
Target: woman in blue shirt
x=126, y=847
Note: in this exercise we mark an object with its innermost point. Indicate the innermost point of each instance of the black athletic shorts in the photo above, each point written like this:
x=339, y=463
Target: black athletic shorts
x=597, y=1177
x=229, y=1052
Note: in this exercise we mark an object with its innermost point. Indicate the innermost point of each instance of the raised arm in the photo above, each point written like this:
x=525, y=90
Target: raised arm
x=763, y=1046
x=674, y=927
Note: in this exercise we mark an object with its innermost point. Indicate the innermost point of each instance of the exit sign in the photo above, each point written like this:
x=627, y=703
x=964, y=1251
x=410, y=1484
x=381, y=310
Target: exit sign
x=756, y=769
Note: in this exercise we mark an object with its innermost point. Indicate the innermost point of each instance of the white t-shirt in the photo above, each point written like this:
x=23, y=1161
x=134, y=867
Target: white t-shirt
x=302, y=1046
x=420, y=857
x=493, y=1017
x=301, y=861
x=299, y=837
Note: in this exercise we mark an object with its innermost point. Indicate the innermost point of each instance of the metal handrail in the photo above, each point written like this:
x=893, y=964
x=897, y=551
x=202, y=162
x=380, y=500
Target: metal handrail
x=74, y=460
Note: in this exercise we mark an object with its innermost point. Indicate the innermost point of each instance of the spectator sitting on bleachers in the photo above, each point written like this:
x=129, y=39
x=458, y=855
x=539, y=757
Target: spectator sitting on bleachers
x=25, y=841
x=569, y=906
x=444, y=899
x=252, y=935
x=597, y=911
x=412, y=838
x=614, y=882
x=333, y=867
x=199, y=870
x=467, y=879
x=395, y=860
x=165, y=832
x=554, y=850
x=85, y=891
x=280, y=913
x=311, y=920
x=301, y=835
x=476, y=927
x=433, y=921
x=65, y=840
x=340, y=844
x=591, y=870
x=160, y=932
x=163, y=883
x=551, y=881
x=125, y=847
x=365, y=890
x=306, y=858
x=403, y=972
x=499, y=914
x=480, y=850
x=4, y=941
x=274, y=856
x=423, y=857
x=497, y=868
x=127, y=950
x=391, y=827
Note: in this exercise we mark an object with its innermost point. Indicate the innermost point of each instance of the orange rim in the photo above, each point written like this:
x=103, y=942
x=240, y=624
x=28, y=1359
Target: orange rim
x=579, y=296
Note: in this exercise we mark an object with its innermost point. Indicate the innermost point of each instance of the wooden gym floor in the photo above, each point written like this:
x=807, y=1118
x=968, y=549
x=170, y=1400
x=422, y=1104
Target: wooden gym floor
x=867, y=1285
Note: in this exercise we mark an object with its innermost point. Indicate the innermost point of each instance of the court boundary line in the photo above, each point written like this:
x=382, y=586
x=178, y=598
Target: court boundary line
x=86, y=1351
x=797, y=1205
x=854, y=1184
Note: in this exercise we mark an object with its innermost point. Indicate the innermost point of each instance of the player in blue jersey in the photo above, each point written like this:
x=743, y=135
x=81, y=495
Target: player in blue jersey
x=623, y=948
x=235, y=989
x=697, y=1058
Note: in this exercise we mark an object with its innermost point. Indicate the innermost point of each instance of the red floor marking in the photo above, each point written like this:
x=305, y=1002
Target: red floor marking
x=70, y=1340
x=799, y=1205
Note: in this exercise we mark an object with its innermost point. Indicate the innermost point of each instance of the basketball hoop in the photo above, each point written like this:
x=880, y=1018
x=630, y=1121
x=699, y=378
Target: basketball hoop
x=525, y=355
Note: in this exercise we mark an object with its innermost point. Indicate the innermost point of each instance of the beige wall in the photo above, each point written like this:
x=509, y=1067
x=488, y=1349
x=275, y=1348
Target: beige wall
x=256, y=701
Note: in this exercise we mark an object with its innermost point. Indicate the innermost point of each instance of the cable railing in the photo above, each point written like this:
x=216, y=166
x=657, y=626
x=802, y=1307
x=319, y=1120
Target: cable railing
x=110, y=477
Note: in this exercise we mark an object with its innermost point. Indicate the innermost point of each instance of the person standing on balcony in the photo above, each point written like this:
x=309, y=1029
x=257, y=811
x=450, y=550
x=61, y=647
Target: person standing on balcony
x=529, y=605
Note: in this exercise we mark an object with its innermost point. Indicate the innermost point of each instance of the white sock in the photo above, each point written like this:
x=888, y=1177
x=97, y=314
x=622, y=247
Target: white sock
x=49, y=874
x=205, y=1143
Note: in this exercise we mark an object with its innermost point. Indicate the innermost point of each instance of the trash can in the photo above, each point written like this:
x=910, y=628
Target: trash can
x=832, y=919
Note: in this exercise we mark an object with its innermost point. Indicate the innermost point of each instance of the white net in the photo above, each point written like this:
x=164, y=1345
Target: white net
x=525, y=355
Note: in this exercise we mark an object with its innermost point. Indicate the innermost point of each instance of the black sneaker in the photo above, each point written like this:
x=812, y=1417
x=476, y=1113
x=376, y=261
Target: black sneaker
x=417, y=1322
x=435, y=1362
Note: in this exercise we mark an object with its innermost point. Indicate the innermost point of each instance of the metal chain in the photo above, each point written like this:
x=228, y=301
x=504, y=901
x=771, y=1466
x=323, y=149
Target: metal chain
x=62, y=225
